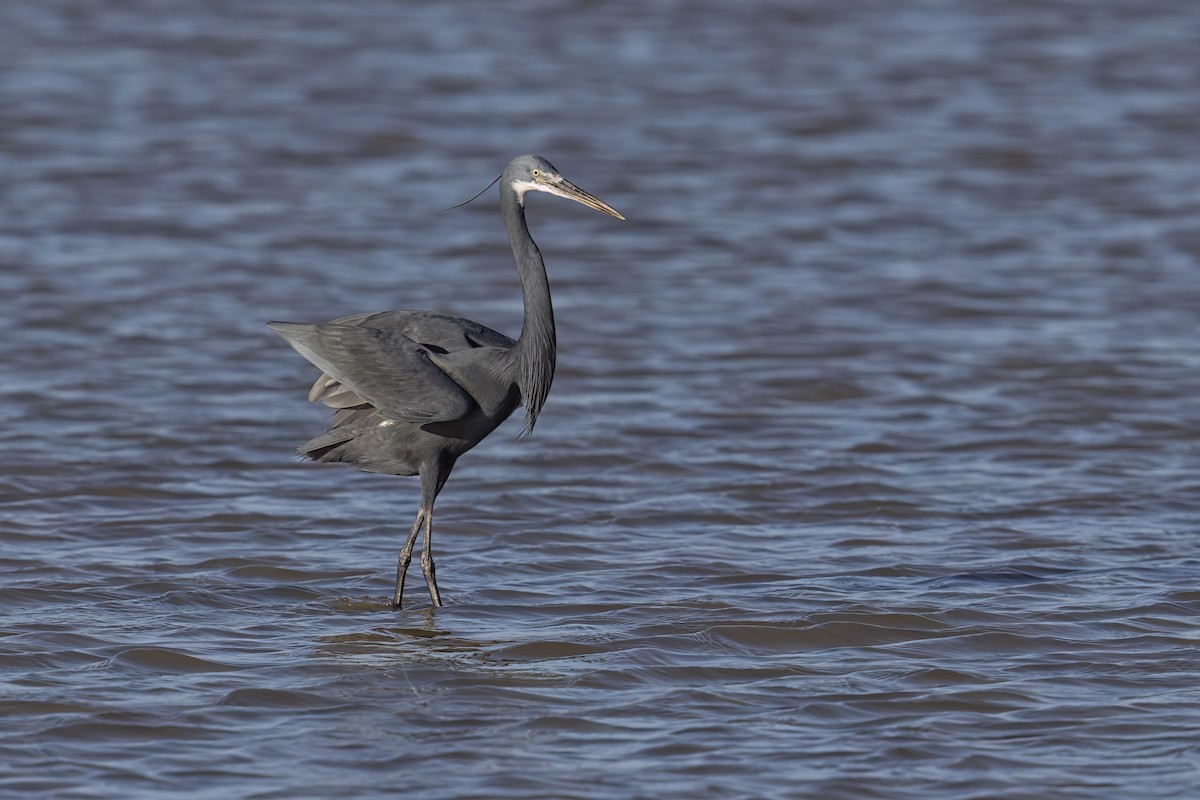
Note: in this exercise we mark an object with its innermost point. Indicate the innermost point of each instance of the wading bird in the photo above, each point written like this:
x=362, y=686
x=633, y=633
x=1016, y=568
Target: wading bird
x=414, y=390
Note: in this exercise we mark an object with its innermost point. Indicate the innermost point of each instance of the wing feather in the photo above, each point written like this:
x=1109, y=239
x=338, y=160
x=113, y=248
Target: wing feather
x=377, y=366
x=431, y=328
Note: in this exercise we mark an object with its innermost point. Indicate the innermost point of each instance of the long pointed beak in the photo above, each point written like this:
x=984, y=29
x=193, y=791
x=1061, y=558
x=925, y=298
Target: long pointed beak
x=564, y=188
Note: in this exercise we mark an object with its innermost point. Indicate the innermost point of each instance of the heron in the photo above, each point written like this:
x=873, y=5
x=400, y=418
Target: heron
x=414, y=390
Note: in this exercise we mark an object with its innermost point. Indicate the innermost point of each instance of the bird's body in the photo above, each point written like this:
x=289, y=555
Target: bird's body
x=398, y=440
x=414, y=390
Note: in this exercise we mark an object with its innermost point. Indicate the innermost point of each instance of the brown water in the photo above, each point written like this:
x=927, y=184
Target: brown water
x=870, y=470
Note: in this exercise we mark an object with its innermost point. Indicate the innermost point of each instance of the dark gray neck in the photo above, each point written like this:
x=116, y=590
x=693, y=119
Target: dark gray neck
x=534, y=353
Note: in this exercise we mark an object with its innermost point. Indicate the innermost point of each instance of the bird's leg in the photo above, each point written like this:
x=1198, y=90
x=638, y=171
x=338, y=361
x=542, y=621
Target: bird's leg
x=433, y=477
x=427, y=561
x=406, y=555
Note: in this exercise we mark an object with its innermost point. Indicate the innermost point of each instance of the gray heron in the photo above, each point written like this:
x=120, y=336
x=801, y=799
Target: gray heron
x=414, y=390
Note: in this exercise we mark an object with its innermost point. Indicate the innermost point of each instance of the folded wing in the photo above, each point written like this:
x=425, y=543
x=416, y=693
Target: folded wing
x=376, y=366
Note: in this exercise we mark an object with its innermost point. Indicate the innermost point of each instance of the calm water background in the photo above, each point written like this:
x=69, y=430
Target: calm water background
x=870, y=470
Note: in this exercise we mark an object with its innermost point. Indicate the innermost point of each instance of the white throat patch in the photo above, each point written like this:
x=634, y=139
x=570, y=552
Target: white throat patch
x=521, y=187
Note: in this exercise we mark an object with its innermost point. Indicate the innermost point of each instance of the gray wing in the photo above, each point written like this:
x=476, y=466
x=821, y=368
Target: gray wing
x=376, y=366
x=433, y=329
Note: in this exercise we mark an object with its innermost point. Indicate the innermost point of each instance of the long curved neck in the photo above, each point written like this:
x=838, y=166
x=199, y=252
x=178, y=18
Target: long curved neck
x=533, y=355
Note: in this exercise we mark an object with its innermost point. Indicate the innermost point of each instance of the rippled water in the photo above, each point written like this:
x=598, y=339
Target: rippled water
x=870, y=470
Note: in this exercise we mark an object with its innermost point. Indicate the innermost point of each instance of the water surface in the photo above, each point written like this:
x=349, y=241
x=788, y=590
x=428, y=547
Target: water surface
x=870, y=466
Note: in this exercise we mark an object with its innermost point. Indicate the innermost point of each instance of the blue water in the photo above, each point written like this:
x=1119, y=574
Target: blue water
x=870, y=466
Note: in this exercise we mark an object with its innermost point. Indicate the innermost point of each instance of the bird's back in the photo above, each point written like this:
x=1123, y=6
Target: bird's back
x=432, y=329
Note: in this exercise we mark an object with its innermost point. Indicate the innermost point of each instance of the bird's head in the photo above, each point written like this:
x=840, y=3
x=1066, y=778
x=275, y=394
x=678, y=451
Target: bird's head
x=536, y=174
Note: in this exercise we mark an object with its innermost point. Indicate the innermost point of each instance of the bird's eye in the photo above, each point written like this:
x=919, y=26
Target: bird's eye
x=536, y=172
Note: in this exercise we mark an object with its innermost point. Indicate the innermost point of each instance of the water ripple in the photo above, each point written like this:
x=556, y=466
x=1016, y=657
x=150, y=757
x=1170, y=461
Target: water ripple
x=869, y=470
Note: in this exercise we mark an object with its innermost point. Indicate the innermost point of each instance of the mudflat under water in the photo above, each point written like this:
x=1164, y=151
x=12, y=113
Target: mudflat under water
x=870, y=469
